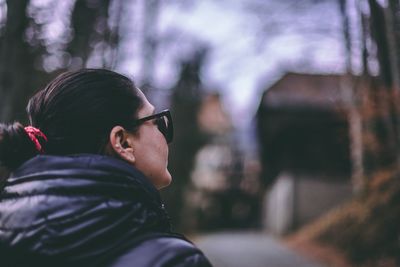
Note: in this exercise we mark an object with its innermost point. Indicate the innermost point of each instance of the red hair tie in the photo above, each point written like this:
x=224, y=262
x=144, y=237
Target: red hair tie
x=33, y=134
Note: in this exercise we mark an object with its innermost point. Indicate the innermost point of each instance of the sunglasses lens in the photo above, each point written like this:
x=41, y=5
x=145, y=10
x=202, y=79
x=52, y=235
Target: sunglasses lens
x=165, y=127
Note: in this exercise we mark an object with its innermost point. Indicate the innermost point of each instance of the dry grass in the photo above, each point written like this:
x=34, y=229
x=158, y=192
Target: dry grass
x=363, y=232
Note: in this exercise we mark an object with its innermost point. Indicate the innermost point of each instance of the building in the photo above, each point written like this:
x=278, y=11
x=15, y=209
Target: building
x=305, y=149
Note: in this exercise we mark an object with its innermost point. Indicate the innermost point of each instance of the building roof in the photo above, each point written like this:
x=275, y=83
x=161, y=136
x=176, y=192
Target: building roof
x=305, y=90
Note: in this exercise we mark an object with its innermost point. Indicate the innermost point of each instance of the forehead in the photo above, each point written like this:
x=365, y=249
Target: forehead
x=147, y=108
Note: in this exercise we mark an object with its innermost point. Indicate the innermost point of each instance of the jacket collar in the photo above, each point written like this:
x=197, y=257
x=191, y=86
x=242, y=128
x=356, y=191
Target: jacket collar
x=81, y=164
x=78, y=206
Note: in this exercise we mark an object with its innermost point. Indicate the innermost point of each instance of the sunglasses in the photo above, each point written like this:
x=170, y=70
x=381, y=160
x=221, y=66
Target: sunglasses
x=163, y=120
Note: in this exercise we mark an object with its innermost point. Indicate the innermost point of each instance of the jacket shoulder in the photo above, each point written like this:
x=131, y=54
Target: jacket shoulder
x=161, y=252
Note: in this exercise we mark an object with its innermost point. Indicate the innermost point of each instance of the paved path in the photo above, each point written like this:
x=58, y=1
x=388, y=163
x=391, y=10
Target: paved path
x=249, y=249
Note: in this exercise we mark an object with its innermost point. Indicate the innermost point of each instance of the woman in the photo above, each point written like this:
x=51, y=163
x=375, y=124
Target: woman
x=84, y=180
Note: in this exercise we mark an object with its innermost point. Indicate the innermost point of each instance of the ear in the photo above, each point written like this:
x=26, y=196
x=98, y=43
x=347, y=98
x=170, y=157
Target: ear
x=121, y=144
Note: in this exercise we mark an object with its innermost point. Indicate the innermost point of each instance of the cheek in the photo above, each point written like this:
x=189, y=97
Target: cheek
x=161, y=145
x=162, y=155
x=152, y=159
x=162, y=177
x=156, y=151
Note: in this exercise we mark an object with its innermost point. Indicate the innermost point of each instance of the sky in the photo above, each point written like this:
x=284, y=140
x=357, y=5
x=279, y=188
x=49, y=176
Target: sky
x=251, y=44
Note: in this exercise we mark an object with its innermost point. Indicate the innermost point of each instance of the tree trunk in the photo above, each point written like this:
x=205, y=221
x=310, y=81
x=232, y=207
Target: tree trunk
x=17, y=60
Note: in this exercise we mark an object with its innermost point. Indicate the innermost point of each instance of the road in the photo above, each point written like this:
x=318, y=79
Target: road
x=249, y=249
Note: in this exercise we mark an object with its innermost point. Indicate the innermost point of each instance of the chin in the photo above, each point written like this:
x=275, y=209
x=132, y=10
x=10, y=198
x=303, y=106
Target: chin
x=165, y=181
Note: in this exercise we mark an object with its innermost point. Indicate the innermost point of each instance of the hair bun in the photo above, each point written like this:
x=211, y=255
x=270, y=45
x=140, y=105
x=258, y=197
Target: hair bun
x=15, y=145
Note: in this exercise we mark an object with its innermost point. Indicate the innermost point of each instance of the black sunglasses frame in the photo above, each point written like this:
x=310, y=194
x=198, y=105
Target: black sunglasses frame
x=167, y=129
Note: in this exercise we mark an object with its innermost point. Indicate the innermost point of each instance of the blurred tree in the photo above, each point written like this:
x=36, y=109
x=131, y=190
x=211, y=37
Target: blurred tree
x=185, y=103
x=29, y=58
x=367, y=229
x=17, y=57
x=380, y=93
x=351, y=97
x=93, y=35
x=371, y=99
x=150, y=41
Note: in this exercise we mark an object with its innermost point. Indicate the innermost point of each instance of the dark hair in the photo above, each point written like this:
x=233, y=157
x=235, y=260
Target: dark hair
x=76, y=111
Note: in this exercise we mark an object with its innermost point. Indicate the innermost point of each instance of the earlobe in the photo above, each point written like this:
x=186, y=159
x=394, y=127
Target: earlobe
x=121, y=144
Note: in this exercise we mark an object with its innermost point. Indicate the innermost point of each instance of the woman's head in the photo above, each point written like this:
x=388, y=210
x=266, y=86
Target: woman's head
x=87, y=111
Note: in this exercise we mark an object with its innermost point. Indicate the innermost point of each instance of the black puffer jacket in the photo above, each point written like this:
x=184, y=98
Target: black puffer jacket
x=87, y=210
